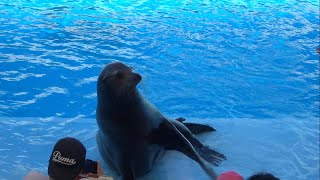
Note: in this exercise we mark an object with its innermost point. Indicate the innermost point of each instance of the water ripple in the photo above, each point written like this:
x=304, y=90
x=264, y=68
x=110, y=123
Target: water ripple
x=216, y=59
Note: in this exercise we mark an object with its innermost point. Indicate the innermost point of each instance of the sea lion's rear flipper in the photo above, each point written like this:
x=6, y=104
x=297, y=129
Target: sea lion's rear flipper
x=170, y=137
x=196, y=128
x=211, y=156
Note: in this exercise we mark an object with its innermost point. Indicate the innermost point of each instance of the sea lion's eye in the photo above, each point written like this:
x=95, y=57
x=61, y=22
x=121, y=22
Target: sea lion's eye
x=119, y=74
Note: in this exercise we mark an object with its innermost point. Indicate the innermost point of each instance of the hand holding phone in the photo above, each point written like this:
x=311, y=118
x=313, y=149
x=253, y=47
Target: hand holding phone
x=90, y=167
x=99, y=169
x=93, y=169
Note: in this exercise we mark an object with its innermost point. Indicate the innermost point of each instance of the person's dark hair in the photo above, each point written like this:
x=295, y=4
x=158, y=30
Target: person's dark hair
x=263, y=176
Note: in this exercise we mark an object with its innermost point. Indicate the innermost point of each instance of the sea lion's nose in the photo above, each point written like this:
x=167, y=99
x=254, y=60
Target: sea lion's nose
x=137, y=77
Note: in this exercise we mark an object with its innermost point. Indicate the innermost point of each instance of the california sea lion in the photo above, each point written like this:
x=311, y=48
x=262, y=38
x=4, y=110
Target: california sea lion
x=133, y=134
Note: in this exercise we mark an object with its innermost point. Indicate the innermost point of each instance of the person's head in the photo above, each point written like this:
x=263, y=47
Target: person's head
x=263, y=176
x=67, y=159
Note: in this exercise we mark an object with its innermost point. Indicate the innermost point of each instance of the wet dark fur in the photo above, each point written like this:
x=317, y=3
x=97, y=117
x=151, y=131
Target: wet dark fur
x=133, y=134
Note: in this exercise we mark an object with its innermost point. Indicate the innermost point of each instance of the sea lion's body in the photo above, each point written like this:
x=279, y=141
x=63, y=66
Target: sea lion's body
x=132, y=132
x=131, y=137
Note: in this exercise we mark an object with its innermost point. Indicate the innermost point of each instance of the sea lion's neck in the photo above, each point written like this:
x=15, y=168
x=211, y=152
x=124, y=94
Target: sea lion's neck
x=114, y=101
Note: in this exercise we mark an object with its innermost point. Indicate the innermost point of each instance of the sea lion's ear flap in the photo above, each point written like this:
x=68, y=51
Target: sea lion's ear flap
x=104, y=78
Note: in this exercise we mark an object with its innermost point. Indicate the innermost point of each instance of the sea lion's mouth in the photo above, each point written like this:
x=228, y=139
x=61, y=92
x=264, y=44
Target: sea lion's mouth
x=136, y=77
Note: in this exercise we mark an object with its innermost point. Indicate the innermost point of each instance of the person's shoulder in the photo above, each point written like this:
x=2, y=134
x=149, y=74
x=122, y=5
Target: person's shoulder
x=35, y=176
x=99, y=178
x=105, y=178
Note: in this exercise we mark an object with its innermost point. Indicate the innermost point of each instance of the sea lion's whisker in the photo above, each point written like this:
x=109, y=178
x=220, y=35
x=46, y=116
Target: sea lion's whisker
x=129, y=86
x=117, y=95
x=114, y=97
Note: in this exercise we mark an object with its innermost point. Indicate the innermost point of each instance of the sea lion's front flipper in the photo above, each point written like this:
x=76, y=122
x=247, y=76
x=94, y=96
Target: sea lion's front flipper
x=196, y=128
x=170, y=137
x=128, y=174
x=211, y=156
x=126, y=170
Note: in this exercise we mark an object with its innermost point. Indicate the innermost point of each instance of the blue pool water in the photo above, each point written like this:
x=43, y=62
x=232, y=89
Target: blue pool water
x=248, y=68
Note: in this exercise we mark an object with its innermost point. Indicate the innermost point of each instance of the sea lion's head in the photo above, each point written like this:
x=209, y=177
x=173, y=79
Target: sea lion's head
x=117, y=79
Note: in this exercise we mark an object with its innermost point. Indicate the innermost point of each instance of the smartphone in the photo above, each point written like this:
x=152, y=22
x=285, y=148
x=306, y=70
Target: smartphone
x=90, y=166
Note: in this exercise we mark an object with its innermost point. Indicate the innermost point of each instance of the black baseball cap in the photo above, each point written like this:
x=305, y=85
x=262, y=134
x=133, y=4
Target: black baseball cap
x=67, y=159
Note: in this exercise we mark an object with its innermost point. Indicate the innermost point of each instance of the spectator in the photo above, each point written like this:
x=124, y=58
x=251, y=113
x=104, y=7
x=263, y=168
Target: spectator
x=66, y=162
x=230, y=175
x=263, y=176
